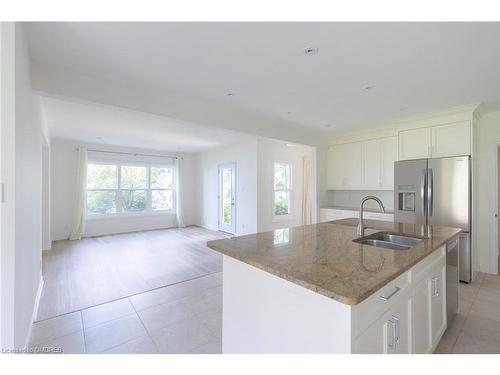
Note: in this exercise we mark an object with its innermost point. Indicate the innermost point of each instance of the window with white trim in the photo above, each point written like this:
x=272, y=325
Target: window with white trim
x=115, y=189
x=282, y=188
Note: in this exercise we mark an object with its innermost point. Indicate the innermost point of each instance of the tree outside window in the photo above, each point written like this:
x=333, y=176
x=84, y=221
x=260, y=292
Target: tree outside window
x=282, y=188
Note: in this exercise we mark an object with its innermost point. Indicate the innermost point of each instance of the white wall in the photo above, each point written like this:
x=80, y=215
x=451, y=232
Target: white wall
x=487, y=142
x=64, y=161
x=245, y=156
x=21, y=174
x=270, y=151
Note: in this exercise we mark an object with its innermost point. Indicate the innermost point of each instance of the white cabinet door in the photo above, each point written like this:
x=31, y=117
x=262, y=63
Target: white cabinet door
x=451, y=139
x=390, y=334
x=438, y=301
x=422, y=342
x=372, y=160
x=398, y=328
x=389, y=154
x=344, y=166
x=335, y=164
x=415, y=144
x=352, y=165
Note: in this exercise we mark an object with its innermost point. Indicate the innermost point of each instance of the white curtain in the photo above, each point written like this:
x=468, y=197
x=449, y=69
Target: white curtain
x=307, y=190
x=81, y=184
x=178, y=193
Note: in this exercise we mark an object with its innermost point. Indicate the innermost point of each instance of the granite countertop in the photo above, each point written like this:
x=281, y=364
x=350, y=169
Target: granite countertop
x=323, y=258
x=366, y=209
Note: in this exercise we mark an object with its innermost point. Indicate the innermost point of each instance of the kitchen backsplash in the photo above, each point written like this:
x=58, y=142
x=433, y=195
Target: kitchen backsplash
x=352, y=198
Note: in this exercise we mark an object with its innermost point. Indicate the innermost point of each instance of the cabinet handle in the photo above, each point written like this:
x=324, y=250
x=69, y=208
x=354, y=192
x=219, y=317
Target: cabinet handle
x=383, y=298
x=395, y=332
x=435, y=287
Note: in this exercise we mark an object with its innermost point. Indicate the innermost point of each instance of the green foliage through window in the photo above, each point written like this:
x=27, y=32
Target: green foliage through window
x=282, y=187
x=113, y=188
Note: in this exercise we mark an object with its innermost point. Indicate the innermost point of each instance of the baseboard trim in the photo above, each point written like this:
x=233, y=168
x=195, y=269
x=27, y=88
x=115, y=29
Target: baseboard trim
x=35, y=311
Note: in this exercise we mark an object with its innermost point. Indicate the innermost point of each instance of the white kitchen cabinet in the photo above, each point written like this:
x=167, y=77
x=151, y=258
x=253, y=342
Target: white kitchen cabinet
x=372, y=163
x=415, y=144
x=429, y=304
x=367, y=165
x=389, y=334
x=451, y=139
x=438, y=301
x=435, y=142
x=422, y=342
x=389, y=154
x=335, y=164
x=412, y=319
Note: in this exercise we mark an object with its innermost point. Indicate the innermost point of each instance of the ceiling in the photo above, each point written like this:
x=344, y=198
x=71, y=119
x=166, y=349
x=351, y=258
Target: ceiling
x=361, y=75
x=93, y=123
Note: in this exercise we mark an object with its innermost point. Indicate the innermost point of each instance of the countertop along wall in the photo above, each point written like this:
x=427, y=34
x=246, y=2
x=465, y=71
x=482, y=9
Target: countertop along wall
x=64, y=161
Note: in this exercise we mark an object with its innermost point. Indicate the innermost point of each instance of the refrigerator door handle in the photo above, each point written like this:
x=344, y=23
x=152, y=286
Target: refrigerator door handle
x=423, y=187
x=430, y=193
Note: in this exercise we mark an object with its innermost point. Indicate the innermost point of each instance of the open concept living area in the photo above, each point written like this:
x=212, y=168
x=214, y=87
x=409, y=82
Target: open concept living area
x=250, y=188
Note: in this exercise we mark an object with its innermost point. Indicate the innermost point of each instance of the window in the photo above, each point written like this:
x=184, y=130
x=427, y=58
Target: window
x=282, y=188
x=114, y=189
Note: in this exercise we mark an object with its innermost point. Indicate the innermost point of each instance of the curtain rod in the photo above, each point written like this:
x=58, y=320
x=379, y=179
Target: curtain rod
x=133, y=153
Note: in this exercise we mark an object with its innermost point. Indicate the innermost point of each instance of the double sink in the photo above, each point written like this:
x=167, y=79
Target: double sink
x=388, y=240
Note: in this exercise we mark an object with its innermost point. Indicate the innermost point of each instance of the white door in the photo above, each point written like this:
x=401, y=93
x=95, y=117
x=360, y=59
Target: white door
x=227, y=198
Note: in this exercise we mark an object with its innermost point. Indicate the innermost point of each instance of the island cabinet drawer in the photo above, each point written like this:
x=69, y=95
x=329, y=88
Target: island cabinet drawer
x=372, y=308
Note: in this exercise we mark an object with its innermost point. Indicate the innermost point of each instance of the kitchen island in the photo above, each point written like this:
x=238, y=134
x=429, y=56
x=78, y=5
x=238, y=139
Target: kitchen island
x=311, y=289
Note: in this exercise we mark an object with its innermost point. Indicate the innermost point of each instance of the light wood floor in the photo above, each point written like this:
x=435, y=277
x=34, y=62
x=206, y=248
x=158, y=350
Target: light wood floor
x=92, y=271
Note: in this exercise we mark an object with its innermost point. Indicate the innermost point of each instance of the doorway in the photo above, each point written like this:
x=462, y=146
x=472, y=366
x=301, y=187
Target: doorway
x=227, y=198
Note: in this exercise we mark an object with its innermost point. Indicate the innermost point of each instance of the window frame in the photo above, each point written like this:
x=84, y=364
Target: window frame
x=120, y=212
x=289, y=215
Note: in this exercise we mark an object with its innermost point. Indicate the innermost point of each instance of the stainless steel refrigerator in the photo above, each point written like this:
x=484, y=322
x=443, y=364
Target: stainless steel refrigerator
x=437, y=192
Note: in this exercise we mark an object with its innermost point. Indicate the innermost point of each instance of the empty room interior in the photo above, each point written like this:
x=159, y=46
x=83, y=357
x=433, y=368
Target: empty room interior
x=251, y=188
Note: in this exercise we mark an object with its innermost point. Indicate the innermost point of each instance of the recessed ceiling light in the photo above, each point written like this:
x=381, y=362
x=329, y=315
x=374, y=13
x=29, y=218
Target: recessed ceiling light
x=329, y=125
x=311, y=50
x=230, y=94
x=289, y=113
x=289, y=145
x=368, y=87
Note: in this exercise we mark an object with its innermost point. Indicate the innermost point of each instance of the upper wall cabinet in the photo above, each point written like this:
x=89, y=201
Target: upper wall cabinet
x=436, y=141
x=367, y=165
x=451, y=140
x=415, y=144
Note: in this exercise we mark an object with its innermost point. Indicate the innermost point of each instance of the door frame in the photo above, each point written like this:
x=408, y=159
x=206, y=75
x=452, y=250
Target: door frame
x=220, y=226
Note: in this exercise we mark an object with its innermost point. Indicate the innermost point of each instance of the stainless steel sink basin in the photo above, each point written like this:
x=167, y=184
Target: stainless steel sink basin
x=389, y=241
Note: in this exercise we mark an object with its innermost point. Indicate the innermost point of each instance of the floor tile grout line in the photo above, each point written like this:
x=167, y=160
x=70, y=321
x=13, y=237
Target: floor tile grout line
x=128, y=297
x=145, y=328
x=474, y=299
x=83, y=333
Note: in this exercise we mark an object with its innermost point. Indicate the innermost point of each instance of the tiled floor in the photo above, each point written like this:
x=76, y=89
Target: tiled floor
x=476, y=329
x=187, y=318
x=181, y=318
x=92, y=271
